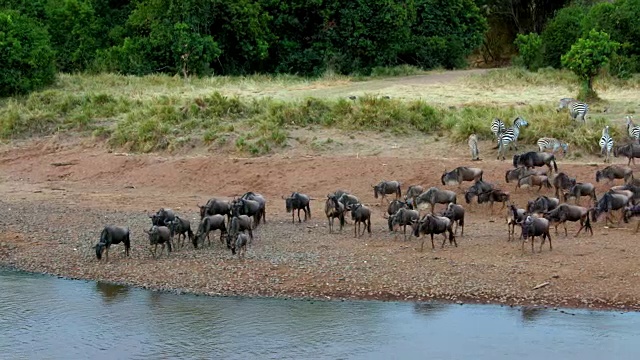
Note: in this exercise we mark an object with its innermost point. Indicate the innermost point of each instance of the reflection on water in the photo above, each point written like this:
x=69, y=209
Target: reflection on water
x=47, y=317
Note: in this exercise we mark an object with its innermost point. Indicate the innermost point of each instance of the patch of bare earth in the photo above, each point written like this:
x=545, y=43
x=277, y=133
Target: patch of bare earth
x=57, y=195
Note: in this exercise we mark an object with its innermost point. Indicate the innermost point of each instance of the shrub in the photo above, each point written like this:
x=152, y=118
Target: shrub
x=560, y=33
x=529, y=48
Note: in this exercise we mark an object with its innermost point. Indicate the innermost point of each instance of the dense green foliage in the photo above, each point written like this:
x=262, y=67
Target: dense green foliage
x=560, y=33
x=530, y=50
x=25, y=54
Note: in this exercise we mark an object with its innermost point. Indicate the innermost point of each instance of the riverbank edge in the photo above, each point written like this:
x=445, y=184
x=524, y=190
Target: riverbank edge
x=320, y=296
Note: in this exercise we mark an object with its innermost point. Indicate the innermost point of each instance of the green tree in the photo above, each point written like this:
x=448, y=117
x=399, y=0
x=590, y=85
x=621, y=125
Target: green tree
x=25, y=54
x=529, y=48
x=587, y=56
x=560, y=33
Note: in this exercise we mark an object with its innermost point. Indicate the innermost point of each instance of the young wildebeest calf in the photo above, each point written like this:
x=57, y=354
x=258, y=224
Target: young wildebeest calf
x=334, y=209
x=298, y=201
x=566, y=212
x=159, y=235
x=532, y=227
x=562, y=181
x=182, y=227
x=112, y=235
x=495, y=195
x=360, y=214
x=434, y=196
x=431, y=225
x=631, y=151
x=455, y=213
x=542, y=204
x=631, y=212
x=581, y=189
x=237, y=225
x=208, y=224
x=534, y=180
x=613, y=172
x=533, y=158
x=403, y=217
x=385, y=188
x=240, y=245
x=460, y=174
x=515, y=216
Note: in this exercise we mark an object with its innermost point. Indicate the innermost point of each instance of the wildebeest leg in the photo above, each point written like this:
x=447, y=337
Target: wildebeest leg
x=565, y=228
x=404, y=232
x=106, y=253
x=444, y=240
x=330, y=221
x=637, y=227
x=532, y=240
x=432, y=246
x=355, y=229
x=452, y=237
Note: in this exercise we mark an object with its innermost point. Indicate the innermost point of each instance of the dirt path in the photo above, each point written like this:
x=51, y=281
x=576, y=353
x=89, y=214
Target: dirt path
x=57, y=197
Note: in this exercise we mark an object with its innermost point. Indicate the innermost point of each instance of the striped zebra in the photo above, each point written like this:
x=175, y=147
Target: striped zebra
x=633, y=130
x=510, y=136
x=497, y=127
x=552, y=143
x=576, y=108
x=606, y=144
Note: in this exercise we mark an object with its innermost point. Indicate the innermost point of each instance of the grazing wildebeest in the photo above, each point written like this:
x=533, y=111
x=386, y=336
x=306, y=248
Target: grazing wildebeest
x=412, y=194
x=514, y=217
x=247, y=207
x=360, y=214
x=208, y=224
x=613, y=172
x=631, y=151
x=215, y=206
x=159, y=235
x=434, y=196
x=237, y=225
x=631, y=212
x=581, y=189
x=460, y=174
x=632, y=191
x=403, y=217
x=162, y=216
x=431, y=224
x=610, y=201
x=455, y=213
x=334, y=209
x=542, y=204
x=384, y=188
x=534, y=158
x=298, y=201
x=495, y=195
x=240, y=245
x=520, y=172
x=476, y=189
x=566, y=212
x=562, y=181
x=182, y=227
x=532, y=227
x=111, y=235
x=262, y=212
x=534, y=180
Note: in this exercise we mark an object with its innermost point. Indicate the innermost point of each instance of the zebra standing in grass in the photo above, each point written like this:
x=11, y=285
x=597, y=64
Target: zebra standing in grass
x=497, y=127
x=552, y=143
x=510, y=136
x=633, y=130
x=606, y=143
x=576, y=109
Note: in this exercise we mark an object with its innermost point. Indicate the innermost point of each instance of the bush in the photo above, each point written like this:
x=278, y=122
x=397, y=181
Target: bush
x=529, y=48
x=25, y=54
x=560, y=33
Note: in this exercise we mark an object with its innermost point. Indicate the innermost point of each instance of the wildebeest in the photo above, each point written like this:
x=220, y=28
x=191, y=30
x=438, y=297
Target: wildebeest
x=632, y=191
x=476, y=189
x=262, y=212
x=240, y=245
x=455, y=213
x=542, y=204
x=534, y=180
x=385, y=188
x=433, y=196
x=247, y=207
x=334, y=209
x=460, y=174
x=215, y=206
x=394, y=206
x=182, y=227
x=163, y=216
x=631, y=212
x=208, y=224
x=581, y=189
x=431, y=224
x=403, y=217
x=338, y=193
x=610, y=201
x=412, y=193
x=532, y=227
x=613, y=172
x=111, y=235
x=298, y=201
x=514, y=217
x=534, y=158
x=562, y=181
x=631, y=151
x=566, y=212
x=360, y=214
x=159, y=235
x=237, y=225
x=495, y=195
x=517, y=173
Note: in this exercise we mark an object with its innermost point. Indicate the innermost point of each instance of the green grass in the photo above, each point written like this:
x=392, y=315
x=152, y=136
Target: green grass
x=152, y=113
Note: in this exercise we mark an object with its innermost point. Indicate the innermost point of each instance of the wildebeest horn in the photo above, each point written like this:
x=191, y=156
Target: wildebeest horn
x=385, y=216
x=282, y=196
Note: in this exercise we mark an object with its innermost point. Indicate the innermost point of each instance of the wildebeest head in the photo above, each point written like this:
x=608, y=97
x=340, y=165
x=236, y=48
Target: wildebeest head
x=526, y=226
x=378, y=189
x=516, y=160
x=468, y=195
x=153, y=234
x=598, y=175
x=100, y=247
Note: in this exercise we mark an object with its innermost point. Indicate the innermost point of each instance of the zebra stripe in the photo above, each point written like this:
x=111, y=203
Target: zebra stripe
x=632, y=129
x=497, y=127
x=606, y=143
x=576, y=109
x=510, y=135
x=552, y=143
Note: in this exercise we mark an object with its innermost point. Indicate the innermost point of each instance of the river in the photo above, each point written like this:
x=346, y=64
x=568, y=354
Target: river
x=44, y=317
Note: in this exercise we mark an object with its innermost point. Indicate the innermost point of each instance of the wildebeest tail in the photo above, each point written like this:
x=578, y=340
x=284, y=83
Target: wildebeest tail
x=369, y=225
x=341, y=219
x=587, y=225
x=555, y=166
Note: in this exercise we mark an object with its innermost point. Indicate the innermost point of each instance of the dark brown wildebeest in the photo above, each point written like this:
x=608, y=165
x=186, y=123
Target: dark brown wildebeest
x=385, y=188
x=455, y=213
x=208, y=224
x=613, y=172
x=403, y=217
x=262, y=206
x=111, y=235
x=542, y=204
x=161, y=217
x=215, y=206
x=631, y=151
x=534, y=158
x=431, y=224
x=182, y=227
x=298, y=201
x=581, y=189
x=476, y=189
x=631, y=212
x=534, y=180
x=495, y=195
x=566, y=212
x=532, y=227
x=334, y=209
x=514, y=217
x=460, y=174
x=433, y=196
x=360, y=214
x=159, y=235
x=412, y=193
x=610, y=201
x=562, y=181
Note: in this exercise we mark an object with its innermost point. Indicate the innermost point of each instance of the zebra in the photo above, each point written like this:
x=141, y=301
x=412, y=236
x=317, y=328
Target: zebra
x=473, y=147
x=606, y=144
x=510, y=136
x=633, y=130
x=552, y=143
x=497, y=127
x=576, y=109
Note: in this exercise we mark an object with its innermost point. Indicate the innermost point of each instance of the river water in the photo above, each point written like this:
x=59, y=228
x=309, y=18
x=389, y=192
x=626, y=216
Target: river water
x=43, y=317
